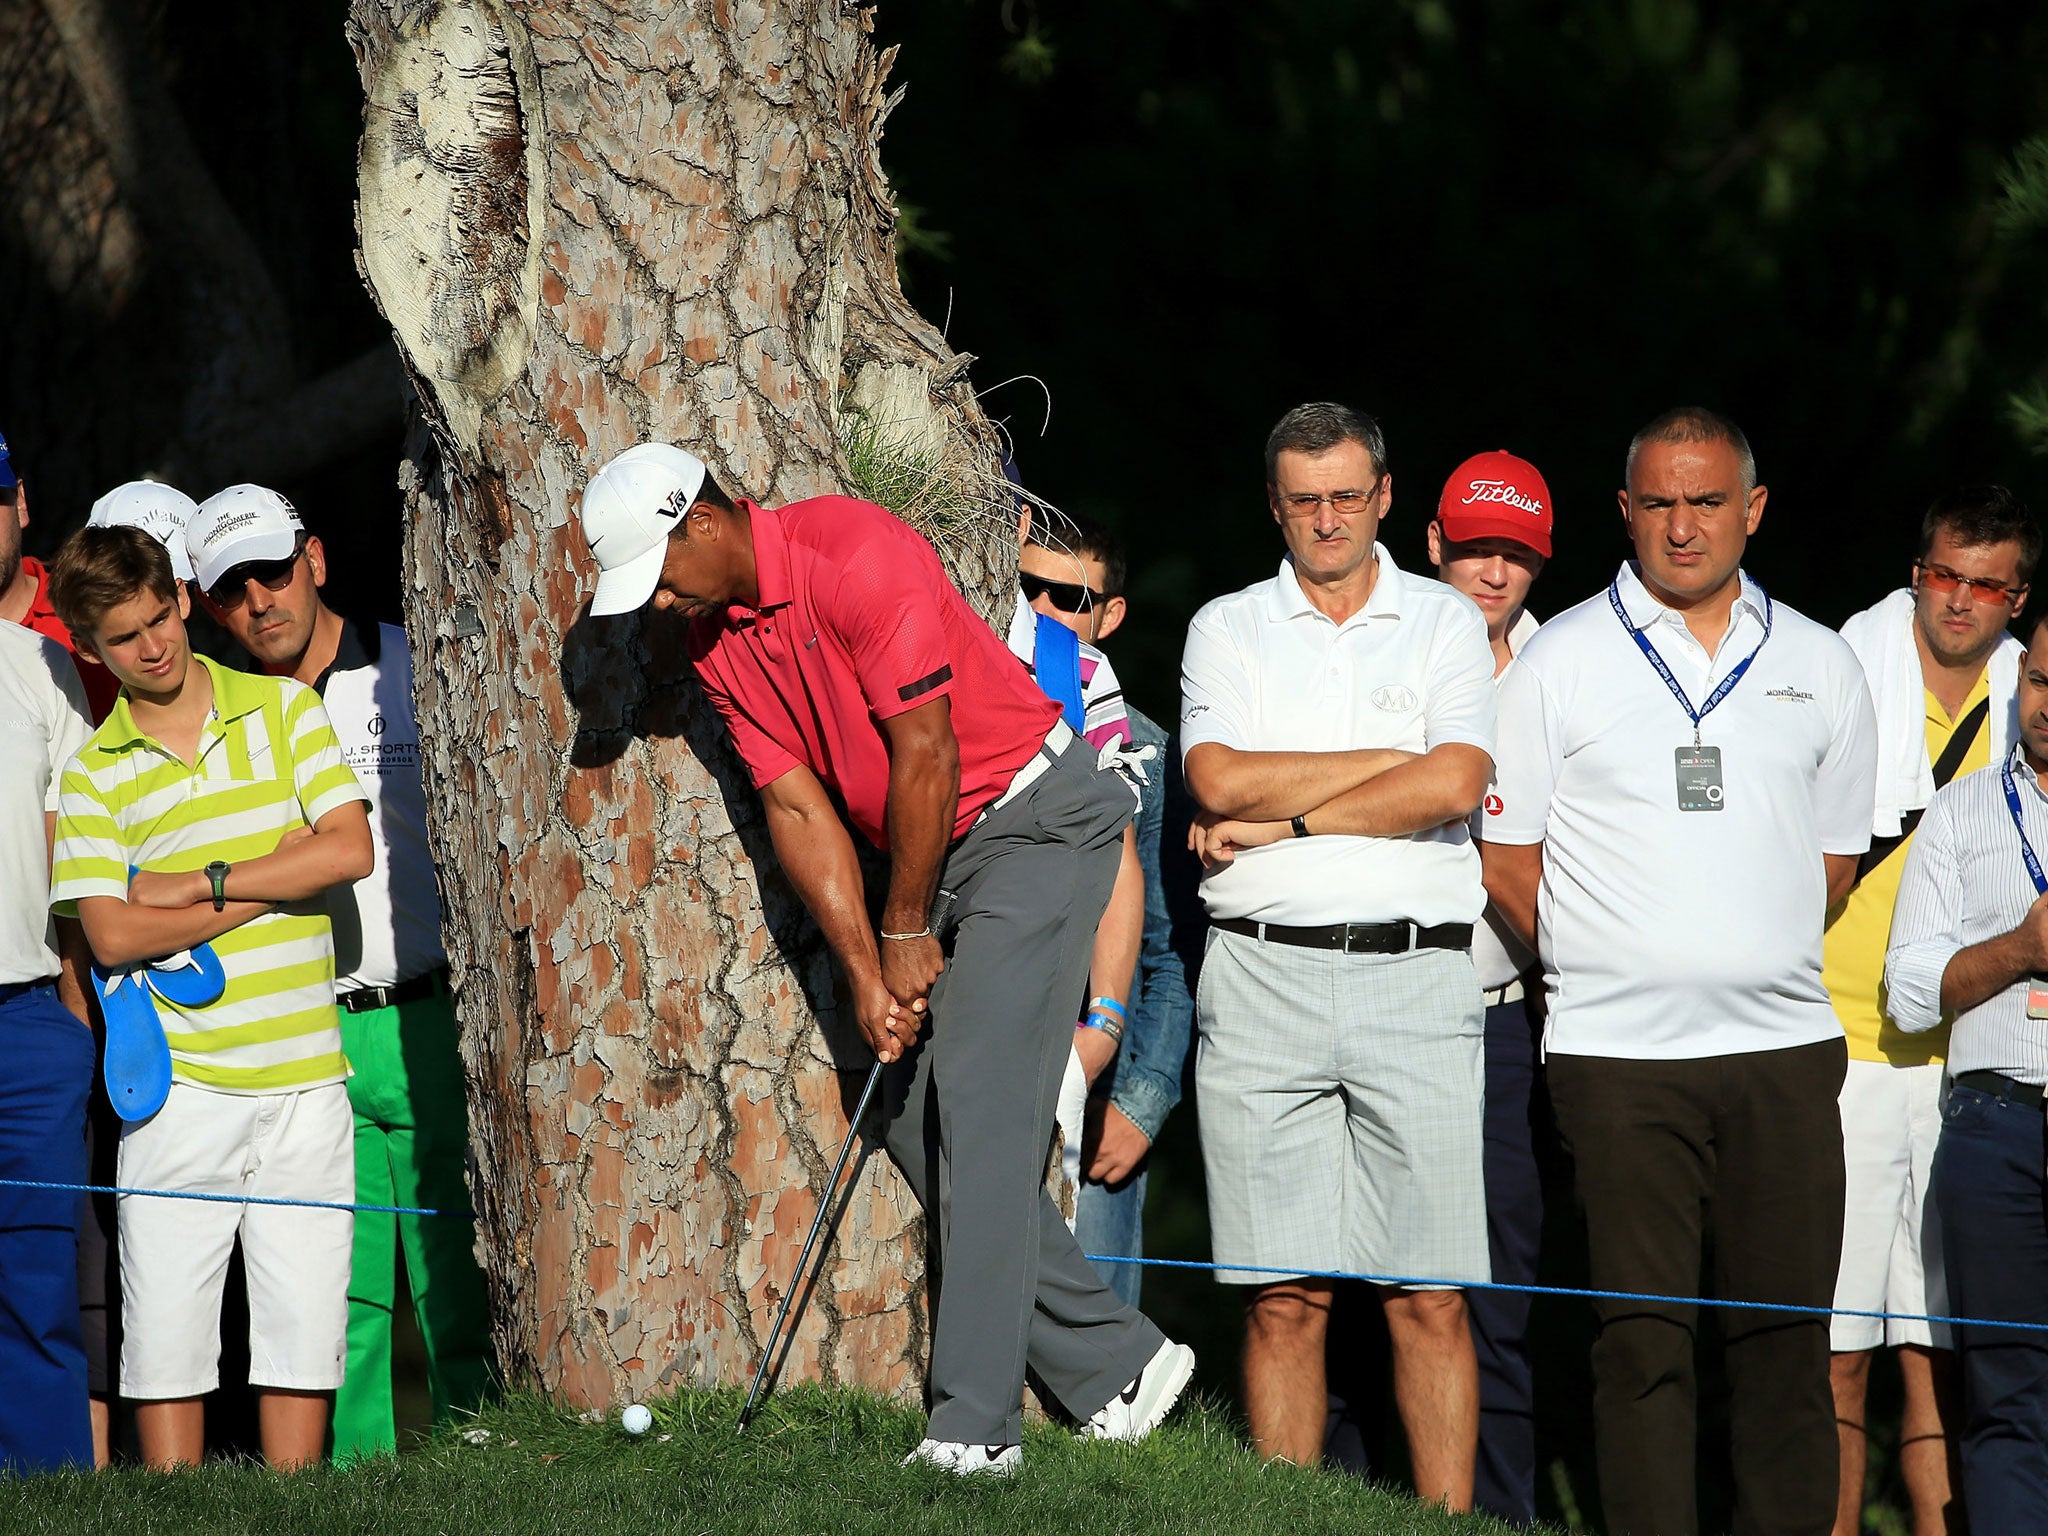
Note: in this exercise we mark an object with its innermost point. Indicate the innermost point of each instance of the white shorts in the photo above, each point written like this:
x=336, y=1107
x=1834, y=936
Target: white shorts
x=1891, y=1232
x=174, y=1253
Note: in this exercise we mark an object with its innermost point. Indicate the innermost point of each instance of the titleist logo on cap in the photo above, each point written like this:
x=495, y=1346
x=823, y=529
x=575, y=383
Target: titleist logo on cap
x=1502, y=492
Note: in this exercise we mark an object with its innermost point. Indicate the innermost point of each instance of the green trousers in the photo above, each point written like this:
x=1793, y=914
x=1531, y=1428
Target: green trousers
x=412, y=1140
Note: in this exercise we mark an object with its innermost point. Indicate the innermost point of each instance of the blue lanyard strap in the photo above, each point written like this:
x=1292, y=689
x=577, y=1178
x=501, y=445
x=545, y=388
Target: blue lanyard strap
x=2012, y=804
x=1664, y=668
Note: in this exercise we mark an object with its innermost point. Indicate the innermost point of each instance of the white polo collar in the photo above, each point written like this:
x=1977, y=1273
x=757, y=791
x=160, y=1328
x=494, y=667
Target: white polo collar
x=1519, y=632
x=1643, y=609
x=2023, y=771
x=1389, y=589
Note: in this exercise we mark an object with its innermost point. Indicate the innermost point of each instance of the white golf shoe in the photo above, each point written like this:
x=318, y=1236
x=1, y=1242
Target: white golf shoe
x=967, y=1460
x=1143, y=1405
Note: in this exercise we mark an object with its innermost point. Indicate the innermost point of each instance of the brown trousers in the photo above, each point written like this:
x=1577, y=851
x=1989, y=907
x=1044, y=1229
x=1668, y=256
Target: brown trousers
x=1751, y=1147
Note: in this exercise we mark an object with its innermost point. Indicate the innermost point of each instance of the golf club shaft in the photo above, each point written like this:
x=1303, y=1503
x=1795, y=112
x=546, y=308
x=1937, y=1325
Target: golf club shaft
x=804, y=1258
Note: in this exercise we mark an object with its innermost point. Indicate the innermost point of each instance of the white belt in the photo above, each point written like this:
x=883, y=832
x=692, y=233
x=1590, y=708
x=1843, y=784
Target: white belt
x=1513, y=992
x=1057, y=740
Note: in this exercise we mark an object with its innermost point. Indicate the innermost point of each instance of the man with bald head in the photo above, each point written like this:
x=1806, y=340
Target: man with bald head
x=1686, y=775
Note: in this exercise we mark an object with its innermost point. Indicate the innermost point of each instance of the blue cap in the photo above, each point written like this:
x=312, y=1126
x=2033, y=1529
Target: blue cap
x=8, y=479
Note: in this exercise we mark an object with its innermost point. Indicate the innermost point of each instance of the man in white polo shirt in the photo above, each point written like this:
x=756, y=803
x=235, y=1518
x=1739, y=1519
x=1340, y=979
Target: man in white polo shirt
x=1337, y=725
x=1687, y=772
x=261, y=576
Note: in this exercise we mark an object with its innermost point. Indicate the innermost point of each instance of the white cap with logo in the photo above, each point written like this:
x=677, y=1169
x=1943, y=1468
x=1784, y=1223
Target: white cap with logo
x=161, y=511
x=628, y=509
x=243, y=522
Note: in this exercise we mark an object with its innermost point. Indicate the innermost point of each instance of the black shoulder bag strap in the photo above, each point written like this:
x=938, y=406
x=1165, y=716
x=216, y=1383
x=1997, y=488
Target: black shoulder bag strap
x=1945, y=768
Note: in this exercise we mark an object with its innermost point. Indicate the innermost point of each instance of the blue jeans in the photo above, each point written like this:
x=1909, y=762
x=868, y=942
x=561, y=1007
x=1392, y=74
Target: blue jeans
x=1988, y=1181
x=43, y=1417
x=1112, y=1221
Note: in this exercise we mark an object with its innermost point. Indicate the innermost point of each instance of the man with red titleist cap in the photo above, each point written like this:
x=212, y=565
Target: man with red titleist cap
x=850, y=672
x=1489, y=540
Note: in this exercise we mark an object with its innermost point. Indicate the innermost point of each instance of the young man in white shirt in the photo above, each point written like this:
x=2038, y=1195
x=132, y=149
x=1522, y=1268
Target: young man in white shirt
x=1941, y=669
x=1969, y=941
x=1687, y=772
x=261, y=577
x=1489, y=541
x=1337, y=729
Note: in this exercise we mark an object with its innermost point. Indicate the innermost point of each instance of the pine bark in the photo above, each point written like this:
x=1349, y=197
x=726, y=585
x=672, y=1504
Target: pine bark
x=593, y=223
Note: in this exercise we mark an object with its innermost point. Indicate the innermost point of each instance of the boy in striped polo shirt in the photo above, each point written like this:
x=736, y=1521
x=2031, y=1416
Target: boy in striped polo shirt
x=228, y=794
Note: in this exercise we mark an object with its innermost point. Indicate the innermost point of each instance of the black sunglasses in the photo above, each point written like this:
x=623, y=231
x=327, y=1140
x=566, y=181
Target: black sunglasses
x=1067, y=596
x=232, y=590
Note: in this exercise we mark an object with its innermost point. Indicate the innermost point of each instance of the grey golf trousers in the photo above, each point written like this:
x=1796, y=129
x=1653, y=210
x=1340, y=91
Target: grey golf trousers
x=969, y=1114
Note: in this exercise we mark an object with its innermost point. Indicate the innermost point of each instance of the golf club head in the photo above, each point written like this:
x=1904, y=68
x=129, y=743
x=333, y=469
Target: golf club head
x=137, y=1071
x=192, y=978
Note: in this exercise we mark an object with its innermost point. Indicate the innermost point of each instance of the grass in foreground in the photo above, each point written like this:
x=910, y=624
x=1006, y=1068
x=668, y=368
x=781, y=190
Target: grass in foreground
x=813, y=1461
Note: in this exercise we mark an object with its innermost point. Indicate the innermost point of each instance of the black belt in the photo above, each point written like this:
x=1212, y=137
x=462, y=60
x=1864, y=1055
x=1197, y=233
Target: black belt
x=2006, y=1087
x=368, y=999
x=1355, y=938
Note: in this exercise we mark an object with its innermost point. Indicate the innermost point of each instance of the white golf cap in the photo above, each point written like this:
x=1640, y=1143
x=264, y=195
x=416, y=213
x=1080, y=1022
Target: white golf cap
x=628, y=509
x=243, y=522
x=161, y=511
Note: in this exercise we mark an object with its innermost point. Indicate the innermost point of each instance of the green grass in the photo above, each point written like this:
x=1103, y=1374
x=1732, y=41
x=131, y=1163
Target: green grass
x=813, y=1461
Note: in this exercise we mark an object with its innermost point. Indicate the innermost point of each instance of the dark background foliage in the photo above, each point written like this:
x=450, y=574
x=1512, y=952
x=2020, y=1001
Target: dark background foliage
x=1493, y=224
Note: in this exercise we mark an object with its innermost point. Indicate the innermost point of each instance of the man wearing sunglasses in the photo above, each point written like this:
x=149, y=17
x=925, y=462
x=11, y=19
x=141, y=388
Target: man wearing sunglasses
x=1052, y=584
x=262, y=578
x=1943, y=670
x=1074, y=573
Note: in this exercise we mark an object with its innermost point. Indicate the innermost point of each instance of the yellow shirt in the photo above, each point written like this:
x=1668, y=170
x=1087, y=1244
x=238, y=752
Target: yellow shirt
x=1852, y=955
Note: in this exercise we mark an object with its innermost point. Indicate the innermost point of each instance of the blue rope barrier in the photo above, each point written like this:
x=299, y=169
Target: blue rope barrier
x=1105, y=1258
x=1561, y=1290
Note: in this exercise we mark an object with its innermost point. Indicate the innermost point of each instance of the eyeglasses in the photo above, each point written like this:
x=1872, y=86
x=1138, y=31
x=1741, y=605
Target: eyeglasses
x=1306, y=503
x=1067, y=596
x=1983, y=589
x=232, y=590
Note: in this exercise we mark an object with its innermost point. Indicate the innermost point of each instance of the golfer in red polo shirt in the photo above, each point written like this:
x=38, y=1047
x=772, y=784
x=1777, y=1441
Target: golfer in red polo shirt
x=849, y=669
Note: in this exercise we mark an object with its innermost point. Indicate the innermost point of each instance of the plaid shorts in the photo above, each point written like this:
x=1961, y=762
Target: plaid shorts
x=1342, y=1102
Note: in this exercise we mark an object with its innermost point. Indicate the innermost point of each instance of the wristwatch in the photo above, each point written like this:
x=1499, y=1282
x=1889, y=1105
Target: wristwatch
x=217, y=872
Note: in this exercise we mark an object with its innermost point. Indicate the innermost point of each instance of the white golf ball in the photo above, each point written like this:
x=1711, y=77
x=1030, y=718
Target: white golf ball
x=636, y=1420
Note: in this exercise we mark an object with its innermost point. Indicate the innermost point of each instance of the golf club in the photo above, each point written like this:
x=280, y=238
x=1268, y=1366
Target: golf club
x=941, y=907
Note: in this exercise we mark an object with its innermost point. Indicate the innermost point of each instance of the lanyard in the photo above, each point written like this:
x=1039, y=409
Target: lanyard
x=2012, y=803
x=1664, y=669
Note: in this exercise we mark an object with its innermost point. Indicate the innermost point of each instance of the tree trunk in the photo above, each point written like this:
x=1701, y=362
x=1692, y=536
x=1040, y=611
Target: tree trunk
x=591, y=224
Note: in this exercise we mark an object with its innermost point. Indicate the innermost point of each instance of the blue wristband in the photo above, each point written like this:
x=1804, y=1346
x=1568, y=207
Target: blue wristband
x=1110, y=1003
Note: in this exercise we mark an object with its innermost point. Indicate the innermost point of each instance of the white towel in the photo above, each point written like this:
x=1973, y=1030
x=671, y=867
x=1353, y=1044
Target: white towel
x=1882, y=638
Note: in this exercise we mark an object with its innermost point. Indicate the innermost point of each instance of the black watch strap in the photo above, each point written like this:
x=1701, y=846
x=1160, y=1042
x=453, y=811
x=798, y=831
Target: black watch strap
x=217, y=872
x=1300, y=825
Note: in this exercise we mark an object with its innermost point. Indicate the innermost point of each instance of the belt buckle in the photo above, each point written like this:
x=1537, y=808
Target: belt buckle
x=1357, y=941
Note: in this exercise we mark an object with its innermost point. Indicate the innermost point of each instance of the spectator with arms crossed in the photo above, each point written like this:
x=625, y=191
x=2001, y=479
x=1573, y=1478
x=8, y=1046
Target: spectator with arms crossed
x=262, y=576
x=229, y=796
x=1337, y=725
